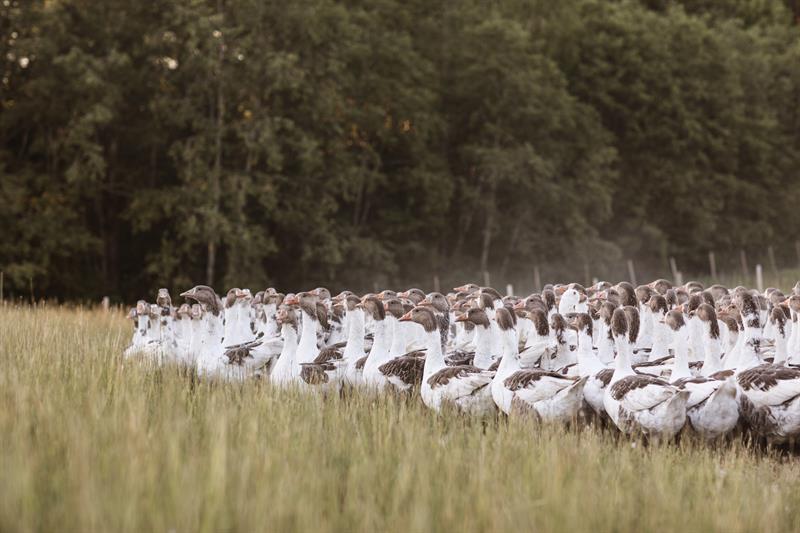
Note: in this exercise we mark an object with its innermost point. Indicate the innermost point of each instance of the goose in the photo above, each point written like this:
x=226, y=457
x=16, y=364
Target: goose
x=606, y=349
x=509, y=362
x=571, y=301
x=746, y=353
x=524, y=325
x=564, y=356
x=771, y=401
x=485, y=345
x=282, y=373
x=597, y=374
x=640, y=403
x=354, y=350
x=466, y=387
x=661, y=335
x=661, y=286
x=632, y=314
x=711, y=408
x=793, y=343
x=540, y=347
x=464, y=340
x=399, y=331
x=141, y=317
x=237, y=326
x=730, y=327
x=549, y=396
x=549, y=299
x=379, y=354
x=307, y=350
x=778, y=321
x=183, y=330
x=710, y=339
x=441, y=308
x=209, y=353
x=644, y=341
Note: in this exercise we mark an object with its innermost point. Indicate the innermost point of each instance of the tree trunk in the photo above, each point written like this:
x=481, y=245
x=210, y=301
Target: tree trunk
x=487, y=228
x=512, y=243
x=213, y=236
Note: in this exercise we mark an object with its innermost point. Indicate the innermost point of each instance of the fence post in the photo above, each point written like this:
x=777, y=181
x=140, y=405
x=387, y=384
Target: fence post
x=1, y=288
x=436, y=286
x=674, y=267
x=796, y=249
x=586, y=277
x=486, y=279
x=773, y=264
x=745, y=270
x=509, y=290
x=632, y=272
x=712, y=262
x=537, y=278
x=759, y=278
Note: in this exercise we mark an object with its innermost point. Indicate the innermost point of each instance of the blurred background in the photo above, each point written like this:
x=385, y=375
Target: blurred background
x=391, y=143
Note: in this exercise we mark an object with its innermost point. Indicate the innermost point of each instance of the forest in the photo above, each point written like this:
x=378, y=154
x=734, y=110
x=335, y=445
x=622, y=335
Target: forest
x=381, y=143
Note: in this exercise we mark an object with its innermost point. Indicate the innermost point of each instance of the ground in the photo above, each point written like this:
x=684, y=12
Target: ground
x=89, y=442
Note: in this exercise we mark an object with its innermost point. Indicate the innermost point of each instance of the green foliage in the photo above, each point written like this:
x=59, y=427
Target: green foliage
x=241, y=142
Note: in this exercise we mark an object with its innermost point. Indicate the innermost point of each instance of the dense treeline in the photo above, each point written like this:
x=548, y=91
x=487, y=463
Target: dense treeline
x=250, y=143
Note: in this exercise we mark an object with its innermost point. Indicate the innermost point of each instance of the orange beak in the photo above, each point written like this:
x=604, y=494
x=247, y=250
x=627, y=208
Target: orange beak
x=425, y=302
x=520, y=305
x=461, y=318
x=406, y=317
x=291, y=300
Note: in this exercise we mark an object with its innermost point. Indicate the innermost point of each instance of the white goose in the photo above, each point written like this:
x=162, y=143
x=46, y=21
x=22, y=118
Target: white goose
x=282, y=373
x=209, y=355
x=540, y=347
x=485, y=343
x=597, y=374
x=661, y=335
x=640, y=403
x=711, y=408
x=464, y=386
x=771, y=401
x=379, y=354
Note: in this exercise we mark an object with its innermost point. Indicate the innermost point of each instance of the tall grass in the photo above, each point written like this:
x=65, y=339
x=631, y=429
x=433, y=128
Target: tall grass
x=89, y=442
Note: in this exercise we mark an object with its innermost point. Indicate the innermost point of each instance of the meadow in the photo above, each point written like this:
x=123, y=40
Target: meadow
x=89, y=442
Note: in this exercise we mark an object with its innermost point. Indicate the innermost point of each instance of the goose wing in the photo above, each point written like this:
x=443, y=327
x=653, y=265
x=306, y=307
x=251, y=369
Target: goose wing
x=641, y=391
x=535, y=385
x=770, y=384
x=456, y=382
x=530, y=356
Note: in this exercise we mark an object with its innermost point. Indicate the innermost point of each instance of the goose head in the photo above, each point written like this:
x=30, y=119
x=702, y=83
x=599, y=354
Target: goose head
x=661, y=286
x=469, y=288
x=475, y=316
x=394, y=307
x=205, y=296
x=423, y=316
x=373, y=308
x=437, y=301
x=163, y=299
x=413, y=294
x=322, y=294
x=632, y=315
x=286, y=316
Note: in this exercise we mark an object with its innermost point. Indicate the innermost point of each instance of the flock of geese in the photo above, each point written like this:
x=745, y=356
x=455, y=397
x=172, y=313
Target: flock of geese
x=652, y=360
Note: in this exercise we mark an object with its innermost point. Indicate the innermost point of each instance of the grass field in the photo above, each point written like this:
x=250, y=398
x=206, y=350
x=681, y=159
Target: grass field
x=89, y=443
